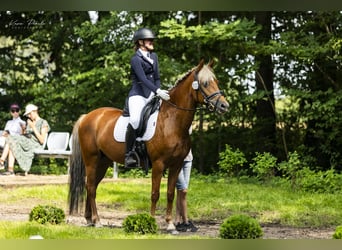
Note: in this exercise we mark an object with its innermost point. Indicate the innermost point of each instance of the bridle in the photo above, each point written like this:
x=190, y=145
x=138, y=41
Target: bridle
x=207, y=98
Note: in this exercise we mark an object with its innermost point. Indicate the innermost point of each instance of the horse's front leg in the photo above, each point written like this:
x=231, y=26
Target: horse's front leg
x=168, y=217
x=171, y=185
x=157, y=174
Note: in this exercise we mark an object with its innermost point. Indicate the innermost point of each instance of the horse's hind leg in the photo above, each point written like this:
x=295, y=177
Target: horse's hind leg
x=91, y=210
x=94, y=176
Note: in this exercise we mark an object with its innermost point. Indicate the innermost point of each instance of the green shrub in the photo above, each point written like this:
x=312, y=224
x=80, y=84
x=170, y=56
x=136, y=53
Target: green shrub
x=231, y=161
x=338, y=233
x=48, y=166
x=132, y=173
x=47, y=214
x=264, y=165
x=291, y=168
x=240, y=227
x=140, y=223
x=319, y=182
x=303, y=178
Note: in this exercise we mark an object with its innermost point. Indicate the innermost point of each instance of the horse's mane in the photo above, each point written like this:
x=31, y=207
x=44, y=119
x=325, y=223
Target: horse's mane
x=204, y=75
x=184, y=76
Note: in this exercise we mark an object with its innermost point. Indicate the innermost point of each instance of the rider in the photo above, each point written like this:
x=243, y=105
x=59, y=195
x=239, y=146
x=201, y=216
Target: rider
x=145, y=84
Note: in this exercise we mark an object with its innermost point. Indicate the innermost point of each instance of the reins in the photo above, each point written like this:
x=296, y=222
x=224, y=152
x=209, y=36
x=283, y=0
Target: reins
x=181, y=108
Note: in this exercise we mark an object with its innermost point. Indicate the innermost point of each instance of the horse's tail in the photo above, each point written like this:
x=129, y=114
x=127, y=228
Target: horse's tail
x=77, y=172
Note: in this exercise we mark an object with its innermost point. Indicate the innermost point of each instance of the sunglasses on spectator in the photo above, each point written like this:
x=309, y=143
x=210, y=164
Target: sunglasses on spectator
x=14, y=110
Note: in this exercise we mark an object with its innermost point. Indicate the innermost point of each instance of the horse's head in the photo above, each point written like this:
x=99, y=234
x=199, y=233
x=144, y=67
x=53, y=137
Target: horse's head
x=206, y=84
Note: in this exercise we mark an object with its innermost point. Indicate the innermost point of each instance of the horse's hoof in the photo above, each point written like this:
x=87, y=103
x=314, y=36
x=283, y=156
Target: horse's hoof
x=174, y=232
x=170, y=227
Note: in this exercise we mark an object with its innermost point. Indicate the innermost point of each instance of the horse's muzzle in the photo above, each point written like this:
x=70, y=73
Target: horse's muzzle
x=222, y=107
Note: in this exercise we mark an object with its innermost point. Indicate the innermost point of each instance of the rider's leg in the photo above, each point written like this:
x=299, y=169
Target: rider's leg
x=130, y=141
x=136, y=104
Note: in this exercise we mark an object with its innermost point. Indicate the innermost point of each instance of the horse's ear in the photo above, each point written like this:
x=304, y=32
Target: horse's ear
x=211, y=63
x=200, y=65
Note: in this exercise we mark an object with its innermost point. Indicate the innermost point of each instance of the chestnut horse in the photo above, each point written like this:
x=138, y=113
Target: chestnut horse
x=94, y=149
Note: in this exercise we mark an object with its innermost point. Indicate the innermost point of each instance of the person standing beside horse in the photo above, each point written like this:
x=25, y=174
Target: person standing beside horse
x=145, y=85
x=182, y=185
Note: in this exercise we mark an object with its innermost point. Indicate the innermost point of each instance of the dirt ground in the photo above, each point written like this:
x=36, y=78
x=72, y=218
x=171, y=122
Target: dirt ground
x=207, y=228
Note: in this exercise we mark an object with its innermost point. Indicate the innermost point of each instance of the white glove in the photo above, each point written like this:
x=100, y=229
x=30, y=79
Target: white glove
x=163, y=94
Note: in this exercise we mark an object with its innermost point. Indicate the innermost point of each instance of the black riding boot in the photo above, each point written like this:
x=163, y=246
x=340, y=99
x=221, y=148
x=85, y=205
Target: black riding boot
x=130, y=141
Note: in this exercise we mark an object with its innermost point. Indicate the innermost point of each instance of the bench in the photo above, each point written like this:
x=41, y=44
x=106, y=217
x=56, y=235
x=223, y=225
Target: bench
x=2, y=141
x=57, y=145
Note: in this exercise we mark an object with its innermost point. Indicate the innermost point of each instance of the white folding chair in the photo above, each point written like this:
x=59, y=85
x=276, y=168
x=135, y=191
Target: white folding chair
x=58, y=140
x=70, y=143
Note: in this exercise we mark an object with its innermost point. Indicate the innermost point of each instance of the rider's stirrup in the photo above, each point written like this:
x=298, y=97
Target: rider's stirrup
x=130, y=161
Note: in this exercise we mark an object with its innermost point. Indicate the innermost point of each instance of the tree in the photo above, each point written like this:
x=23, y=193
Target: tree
x=310, y=62
x=68, y=64
x=265, y=108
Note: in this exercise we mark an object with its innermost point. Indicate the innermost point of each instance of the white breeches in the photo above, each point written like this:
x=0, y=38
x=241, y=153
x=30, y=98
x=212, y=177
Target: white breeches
x=136, y=104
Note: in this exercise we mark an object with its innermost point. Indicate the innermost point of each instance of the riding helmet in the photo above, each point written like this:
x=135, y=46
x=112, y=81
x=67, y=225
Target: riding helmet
x=143, y=33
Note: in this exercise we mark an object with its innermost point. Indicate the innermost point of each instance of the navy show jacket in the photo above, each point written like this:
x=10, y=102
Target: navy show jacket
x=144, y=75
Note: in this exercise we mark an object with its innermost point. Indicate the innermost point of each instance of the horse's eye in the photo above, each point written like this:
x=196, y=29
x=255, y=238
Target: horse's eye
x=206, y=84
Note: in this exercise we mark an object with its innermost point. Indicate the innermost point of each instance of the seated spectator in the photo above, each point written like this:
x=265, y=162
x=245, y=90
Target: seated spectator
x=15, y=126
x=21, y=147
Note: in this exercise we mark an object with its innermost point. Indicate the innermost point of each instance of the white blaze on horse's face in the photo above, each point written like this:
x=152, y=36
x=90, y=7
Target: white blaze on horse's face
x=213, y=96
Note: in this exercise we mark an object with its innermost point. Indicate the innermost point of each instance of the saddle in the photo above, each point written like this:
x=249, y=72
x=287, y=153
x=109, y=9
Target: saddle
x=140, y=146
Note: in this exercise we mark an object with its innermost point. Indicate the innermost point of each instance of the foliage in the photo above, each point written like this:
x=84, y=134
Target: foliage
x=140, y=223
x=294, y=171
x=231, y=161
x=338, y=233
x=132, y=173
x=44, y=214
x=12, y=230
x=290, y=169
x=240, y=227
x=320, y=110
x=239, y=31
x=301, y=177
x=264, y=165
x=49, y=166
x=70, y=65
x=321, y=182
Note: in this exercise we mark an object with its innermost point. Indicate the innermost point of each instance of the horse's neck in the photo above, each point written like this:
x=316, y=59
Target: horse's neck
x=182, y=95
x=183, y=104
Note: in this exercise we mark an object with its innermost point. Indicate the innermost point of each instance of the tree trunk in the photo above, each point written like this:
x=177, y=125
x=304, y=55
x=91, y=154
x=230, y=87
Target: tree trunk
x=265, y=109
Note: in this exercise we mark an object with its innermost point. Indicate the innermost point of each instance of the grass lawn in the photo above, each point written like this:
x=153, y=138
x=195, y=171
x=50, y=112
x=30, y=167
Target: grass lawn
x=208, y=199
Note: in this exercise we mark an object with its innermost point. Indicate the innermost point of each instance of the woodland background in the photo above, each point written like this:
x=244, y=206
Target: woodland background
x=280, y=71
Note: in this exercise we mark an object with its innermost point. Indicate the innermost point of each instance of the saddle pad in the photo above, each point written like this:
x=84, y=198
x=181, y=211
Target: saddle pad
x=121, y=127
